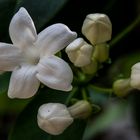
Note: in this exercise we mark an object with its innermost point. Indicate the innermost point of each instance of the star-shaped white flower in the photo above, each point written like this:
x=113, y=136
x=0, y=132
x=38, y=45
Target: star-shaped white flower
x=32, y=59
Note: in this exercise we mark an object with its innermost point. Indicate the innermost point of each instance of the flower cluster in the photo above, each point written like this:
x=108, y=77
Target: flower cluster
x=32, y=60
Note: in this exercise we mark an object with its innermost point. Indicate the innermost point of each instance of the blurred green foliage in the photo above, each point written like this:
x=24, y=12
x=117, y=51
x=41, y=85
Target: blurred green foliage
x=112, y=113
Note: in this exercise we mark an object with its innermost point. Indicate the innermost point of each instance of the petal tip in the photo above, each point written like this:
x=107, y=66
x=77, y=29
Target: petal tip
x=74, y=34
x=61, y=25
x=22, y=10
x=69, y=88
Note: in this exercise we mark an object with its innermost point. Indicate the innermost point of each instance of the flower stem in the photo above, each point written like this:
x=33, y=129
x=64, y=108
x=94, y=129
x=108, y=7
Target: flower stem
x=104, y=90
x=72, y=93
x=127, y=30
x=84, y=94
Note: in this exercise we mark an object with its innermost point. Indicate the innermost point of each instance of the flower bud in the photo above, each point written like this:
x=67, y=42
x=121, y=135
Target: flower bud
x=101, y=52
x=135, y=76
x=91, y=68
x=97, y=28
x=54, y=118
x=82, y=109
x=122, y=87
x=79, y=52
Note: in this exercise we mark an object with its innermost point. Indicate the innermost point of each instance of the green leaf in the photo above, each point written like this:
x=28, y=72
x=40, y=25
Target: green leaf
x=8, y=105
x=4, y=82
x=110, y=115
x=13, y=106
x=42, y=11
x=26, y=125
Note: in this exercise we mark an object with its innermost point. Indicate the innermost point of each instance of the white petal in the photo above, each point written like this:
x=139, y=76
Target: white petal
x=55, y=73
x=23, y=82
x=54, y=38
x=10, y=57
x=135, y=76
x=55, y=126
x=22, y=30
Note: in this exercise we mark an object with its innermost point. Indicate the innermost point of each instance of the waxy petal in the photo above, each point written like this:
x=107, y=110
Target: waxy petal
x=10, y=57
x=135, y=76
x=54, y=38
x=22, y=30
x=23, y=82
x=55, y=73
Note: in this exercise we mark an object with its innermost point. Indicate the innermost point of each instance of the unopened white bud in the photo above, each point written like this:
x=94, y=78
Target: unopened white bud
x=122, y=87
x=54, y=118
x=79, y=52
x=97, y=28
x=101, y=52
x=82, y=109
x=135, y=76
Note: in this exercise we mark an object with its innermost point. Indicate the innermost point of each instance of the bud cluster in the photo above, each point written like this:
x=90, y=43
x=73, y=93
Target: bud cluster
x=97, y=28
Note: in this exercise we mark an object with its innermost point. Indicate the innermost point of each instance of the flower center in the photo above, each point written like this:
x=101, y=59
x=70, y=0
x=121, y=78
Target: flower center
x=32, y=55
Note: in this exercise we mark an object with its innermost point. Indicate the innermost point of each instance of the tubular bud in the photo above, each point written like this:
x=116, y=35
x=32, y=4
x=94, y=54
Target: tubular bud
x=122, y=87
x=91, y=68
x=82, y=109
x=101, y=52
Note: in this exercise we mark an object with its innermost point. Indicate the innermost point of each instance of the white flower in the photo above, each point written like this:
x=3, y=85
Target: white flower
x=135, y=76
x=79, y=52
x=97, y=28
x=32, y=59
x=54, y=118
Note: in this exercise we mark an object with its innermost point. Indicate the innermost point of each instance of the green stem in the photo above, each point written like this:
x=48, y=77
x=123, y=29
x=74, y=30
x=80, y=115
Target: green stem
x=84, y=94
x=105, y=90
x=71, y=94
x=128, y=29
x=82, y=79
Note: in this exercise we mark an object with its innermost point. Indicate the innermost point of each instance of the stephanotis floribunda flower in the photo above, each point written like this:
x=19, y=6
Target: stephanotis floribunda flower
x=31, y=56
